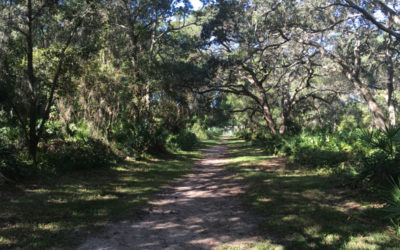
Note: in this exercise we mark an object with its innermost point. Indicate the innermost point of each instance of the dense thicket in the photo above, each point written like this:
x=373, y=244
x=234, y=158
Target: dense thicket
x=110, y=71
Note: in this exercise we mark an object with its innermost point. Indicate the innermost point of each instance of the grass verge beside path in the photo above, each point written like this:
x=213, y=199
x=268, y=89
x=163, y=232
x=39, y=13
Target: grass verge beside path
x=306, y=210
x=61, y=212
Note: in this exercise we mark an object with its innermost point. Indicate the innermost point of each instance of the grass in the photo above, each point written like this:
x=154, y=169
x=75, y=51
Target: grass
x=302, y=209
x=266, y=245
x=62, y=212
x=306, y=209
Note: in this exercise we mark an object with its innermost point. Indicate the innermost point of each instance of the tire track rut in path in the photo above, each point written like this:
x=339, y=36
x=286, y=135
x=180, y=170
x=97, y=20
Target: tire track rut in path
x=201, y=212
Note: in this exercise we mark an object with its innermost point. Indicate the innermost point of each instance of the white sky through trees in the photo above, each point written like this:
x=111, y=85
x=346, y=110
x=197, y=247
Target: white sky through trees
x=196, y=4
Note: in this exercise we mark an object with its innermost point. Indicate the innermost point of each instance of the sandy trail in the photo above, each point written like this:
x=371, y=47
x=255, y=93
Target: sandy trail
x=200, y=212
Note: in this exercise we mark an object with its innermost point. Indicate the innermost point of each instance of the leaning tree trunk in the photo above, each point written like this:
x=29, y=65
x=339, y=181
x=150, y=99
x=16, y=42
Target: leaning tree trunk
x=377, y=113
x=268, y=118
x=353, y=75
x=266, y=110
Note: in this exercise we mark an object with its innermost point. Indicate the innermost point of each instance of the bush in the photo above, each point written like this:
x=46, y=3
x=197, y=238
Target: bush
x=200, y=132
x=185, y=140
x=63, y=156
x=371, y=156
x=11, y=165
x=315, y=150
x=312, y=149
x=243, y=134
x=134, y=138
x=382, y=161
x=392, y=209
x=213, y=132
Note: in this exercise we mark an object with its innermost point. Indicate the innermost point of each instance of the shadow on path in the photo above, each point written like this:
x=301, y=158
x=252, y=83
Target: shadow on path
x=200, y=212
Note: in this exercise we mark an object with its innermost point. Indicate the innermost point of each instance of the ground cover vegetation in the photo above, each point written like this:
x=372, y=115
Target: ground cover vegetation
x=87, y=85
x=306, y=209
x=59, y=213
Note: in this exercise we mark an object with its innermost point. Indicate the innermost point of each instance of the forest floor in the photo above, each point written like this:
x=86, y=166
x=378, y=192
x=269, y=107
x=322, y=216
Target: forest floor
x=308, y=208
x=232, y=195
x=201, y=212
x=60, y=212
x=238, y=197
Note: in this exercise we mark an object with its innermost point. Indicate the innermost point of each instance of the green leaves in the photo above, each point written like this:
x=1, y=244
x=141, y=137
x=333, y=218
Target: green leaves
x=387, y=141
x=382, y=161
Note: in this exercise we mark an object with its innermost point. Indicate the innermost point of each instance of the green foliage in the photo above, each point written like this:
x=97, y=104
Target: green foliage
x=315, y=150
x=60, y=156
x=392, y=208
x=81, y=131
x=134, y=138
x=53, y=129
x=371, y=156
x=311, y=149
x=214, y=132
x=382, y=162
x=243, y=134
x=11, y=164
x=307, y=210
x=185, y=140
x=56, y=213
x=203, y=133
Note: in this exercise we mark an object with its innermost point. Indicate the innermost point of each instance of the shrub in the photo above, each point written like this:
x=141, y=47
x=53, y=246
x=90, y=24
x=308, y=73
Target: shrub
x=199, y=131
x=315, y=150
x=243, y=134
x=11, y=165
x=70, y=156
x=185, y=140
x=392, y=208
x=371, y=156
x=309, y=148
x=134, y=138
x=213, y=132
x=382, y=161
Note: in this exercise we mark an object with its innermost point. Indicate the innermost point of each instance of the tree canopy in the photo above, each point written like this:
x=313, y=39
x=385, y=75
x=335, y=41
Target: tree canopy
x=130, y=73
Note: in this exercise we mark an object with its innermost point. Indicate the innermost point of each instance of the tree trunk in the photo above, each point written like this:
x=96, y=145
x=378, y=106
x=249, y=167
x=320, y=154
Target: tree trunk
x=33, y=116
x=268, y=118
x=352, y=73
x=33, y=146
x=263, y=102
x=266, y=109
x=377, y=113
x=390, y=89
x=283, y=126
x=389, y=80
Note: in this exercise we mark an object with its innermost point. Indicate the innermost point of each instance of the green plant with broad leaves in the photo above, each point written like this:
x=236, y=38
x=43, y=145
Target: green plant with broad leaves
x=383, y=159
x=392, y=208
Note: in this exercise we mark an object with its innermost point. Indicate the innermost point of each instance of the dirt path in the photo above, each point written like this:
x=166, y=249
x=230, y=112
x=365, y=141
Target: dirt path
x=200, y=212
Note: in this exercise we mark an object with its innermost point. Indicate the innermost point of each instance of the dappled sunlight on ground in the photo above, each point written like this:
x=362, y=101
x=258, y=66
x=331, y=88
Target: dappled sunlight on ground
x=306, y=209
x=291, y=208
x=58, y=212
x=200, y=212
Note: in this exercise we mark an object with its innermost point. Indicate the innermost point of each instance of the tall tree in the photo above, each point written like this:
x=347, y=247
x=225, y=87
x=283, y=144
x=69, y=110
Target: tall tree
x=343, y=36
x=40, y=36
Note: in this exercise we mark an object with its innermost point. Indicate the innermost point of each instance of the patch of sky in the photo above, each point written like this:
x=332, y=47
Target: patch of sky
x=195, y=3
x=354, y=98
x=380, y=16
